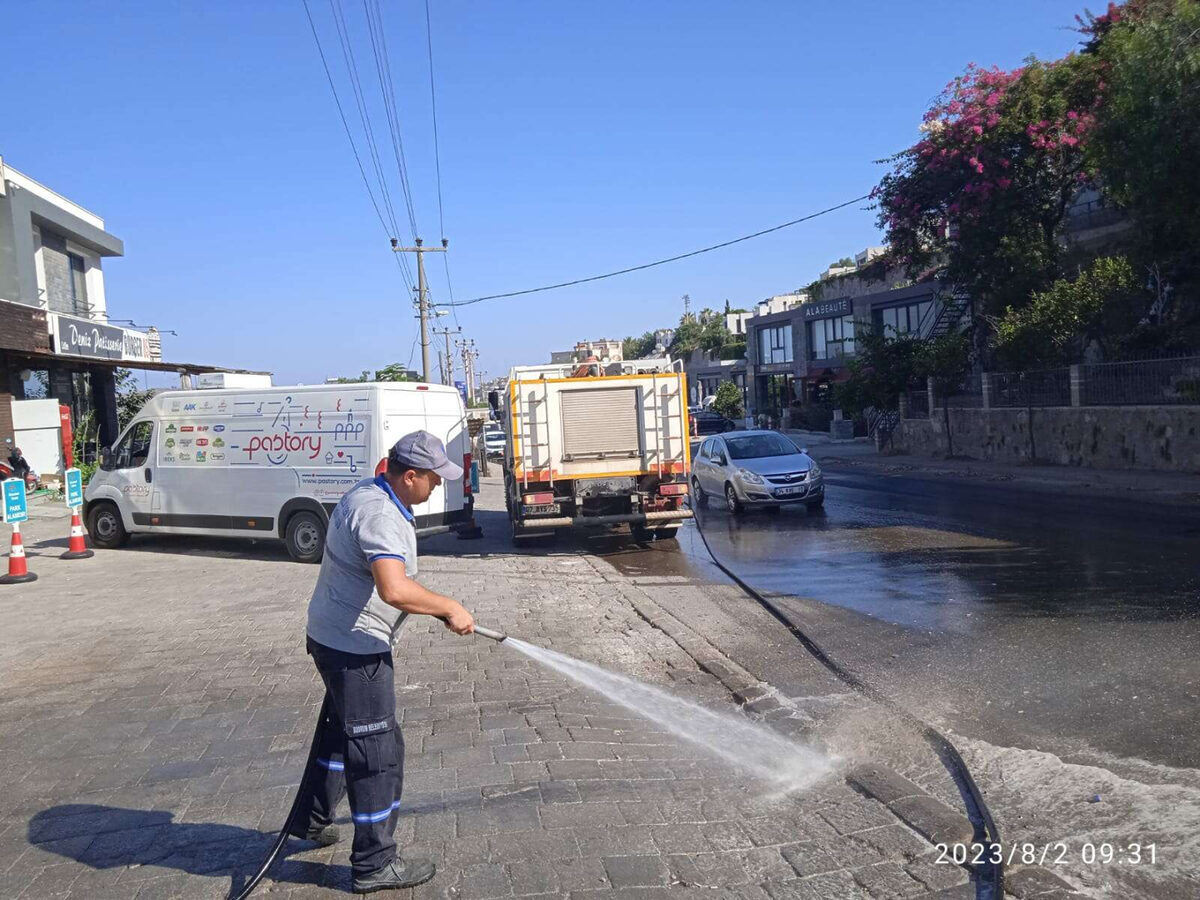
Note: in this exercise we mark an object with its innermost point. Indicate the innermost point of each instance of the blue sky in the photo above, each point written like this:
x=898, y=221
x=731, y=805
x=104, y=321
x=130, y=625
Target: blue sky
x=575, y=139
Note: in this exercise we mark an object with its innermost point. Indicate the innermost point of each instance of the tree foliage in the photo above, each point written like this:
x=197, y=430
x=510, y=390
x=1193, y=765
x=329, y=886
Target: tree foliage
x=1147, y=143
x=638, y=347
x=1103, y=303
x=728, y=400
x=984, y=193
x=396, y=372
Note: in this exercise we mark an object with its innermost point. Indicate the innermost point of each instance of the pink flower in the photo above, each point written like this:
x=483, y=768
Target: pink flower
x=1004, y=183
x=978, y=129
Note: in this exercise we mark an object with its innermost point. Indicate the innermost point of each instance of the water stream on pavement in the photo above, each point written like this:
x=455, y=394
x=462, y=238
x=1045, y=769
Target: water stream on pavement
x=754, y=749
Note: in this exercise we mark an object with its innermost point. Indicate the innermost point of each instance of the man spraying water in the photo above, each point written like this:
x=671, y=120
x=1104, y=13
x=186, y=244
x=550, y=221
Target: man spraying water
x=364, y=592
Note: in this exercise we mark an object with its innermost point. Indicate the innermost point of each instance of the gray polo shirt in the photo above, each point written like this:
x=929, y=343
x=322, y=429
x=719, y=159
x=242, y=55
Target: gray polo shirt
x=346, y=612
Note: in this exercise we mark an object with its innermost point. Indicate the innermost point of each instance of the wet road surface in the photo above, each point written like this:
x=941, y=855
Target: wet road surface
x=1069, y=624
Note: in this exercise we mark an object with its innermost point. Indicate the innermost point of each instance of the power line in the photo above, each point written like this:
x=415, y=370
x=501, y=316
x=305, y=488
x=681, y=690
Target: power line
x=437, y=156
x=339, y=23
x=387, y=90
x=402, y=264
x=661, y=262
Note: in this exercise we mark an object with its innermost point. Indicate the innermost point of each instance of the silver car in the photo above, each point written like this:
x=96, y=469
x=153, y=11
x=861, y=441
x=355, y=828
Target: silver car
x=755, y=468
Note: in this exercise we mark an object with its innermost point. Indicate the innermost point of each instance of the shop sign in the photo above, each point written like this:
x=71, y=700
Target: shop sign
x=85, y=337
x=825, y=309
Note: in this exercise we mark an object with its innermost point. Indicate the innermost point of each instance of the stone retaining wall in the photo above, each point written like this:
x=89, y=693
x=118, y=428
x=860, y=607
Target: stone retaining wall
x=1166, y=438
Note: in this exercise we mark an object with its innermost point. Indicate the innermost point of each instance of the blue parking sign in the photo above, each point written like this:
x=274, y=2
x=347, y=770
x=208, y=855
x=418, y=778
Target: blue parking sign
x=15, y=508
x=74, y=490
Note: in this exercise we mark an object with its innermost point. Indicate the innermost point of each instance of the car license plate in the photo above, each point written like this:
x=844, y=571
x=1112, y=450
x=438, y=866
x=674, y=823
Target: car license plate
x=789, y=491
x=542, y=509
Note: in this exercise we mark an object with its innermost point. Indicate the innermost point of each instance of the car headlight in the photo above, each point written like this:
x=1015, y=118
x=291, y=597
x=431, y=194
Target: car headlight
x=749, y=477
x=814, y=472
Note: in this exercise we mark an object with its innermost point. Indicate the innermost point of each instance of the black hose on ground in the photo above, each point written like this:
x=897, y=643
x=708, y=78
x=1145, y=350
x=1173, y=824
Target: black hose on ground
x=290, y=821
x=989, y=882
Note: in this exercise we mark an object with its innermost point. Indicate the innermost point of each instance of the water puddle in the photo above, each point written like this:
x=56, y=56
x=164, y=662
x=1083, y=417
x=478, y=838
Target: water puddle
x=745, y=745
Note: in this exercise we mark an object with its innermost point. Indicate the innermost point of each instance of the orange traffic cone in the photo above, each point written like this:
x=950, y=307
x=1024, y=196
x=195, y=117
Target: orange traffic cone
x=18, y=571
x=77, y=549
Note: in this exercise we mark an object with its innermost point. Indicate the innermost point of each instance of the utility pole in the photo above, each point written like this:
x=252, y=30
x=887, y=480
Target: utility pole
x=422, y=295
x=448, y=369
x=469, y=355
x=687, y=305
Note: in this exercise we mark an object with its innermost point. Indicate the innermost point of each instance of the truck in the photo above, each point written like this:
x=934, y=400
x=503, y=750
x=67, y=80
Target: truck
x=594, y=445
x=270, y=462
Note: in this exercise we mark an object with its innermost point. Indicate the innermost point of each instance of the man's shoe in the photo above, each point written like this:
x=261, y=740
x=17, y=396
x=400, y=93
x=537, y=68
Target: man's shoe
x=322, y=837
x=403, y=873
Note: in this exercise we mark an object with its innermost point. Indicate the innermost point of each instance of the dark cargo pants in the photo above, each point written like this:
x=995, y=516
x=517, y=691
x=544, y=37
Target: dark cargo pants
x=361, y=753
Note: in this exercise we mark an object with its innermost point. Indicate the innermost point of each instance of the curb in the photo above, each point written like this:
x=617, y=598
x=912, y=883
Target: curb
x=920, y=811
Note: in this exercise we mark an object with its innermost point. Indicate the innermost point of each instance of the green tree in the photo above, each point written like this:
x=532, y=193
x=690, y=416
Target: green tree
x=728, y=401
x=1102, y=303
x=687, y=337
x=396, y=372
x=880, y=371
x=944, y=360
x=714, y=334
x=1147, y=142
x=983, y=195
x=638, y=347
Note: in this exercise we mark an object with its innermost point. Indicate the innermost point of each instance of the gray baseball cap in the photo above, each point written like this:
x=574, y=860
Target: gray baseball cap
x=421, y=450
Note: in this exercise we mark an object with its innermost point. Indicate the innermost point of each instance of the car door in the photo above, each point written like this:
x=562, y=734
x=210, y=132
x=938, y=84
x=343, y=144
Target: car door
x=718, y=457
x=132, y=471
x=700, y=464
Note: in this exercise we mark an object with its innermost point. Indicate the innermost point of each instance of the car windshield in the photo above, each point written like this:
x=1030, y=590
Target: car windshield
x=755, y=446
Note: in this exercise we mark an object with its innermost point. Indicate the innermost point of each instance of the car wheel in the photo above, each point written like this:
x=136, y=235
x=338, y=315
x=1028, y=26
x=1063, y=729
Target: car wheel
x=305, y=537
x=814, y=505
x=698, y=494
x=732, y=502
x=105, y=527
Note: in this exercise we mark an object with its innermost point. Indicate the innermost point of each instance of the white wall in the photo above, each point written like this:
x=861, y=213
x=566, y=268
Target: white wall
x=36, y=431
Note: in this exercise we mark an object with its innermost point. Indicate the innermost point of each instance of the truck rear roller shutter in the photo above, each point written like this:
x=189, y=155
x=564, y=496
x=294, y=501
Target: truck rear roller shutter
x=600, y=422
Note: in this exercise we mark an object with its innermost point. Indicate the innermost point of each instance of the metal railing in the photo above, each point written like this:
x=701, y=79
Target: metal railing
x=1049, y=387
x=1146, y=382
x=967, y=394
x=918, y=405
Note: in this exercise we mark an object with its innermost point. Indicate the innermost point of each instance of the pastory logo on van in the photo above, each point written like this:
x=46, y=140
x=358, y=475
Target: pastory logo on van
x=189, y=407
x=207, y=404
x=170, y=429
x=202, y=428
x=218, y=428
x=199, y=456
x=185, y=457
x=216, y=456
x=168, y=458
x=170, y=442
x=187, y=427
x=217, y=442
x=185, y=442
x=201, y=442
x=221, y=406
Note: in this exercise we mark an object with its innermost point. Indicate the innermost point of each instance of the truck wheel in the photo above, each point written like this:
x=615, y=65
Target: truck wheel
x=666, y=532
x=305, y=537
x=105, y=527
x=698, y=494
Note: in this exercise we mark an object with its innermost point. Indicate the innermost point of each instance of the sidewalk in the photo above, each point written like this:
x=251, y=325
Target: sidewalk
x=158, y=707
x=860, y=455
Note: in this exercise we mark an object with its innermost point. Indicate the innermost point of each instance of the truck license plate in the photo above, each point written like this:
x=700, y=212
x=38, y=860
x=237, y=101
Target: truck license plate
x=542, y=509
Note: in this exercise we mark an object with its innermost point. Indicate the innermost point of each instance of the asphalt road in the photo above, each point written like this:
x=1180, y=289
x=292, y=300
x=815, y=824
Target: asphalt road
x=1068, y=624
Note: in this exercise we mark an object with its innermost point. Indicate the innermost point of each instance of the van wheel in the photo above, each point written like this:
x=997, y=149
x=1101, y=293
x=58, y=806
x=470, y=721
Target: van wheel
x=105, y=527
x=305, y=537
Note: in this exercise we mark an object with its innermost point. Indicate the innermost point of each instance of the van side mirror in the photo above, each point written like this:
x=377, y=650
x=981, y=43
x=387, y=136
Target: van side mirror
x=106, y=457
x=494, y=401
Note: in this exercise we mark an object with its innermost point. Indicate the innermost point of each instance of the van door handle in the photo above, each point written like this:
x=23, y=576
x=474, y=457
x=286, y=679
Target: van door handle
x=149, y=475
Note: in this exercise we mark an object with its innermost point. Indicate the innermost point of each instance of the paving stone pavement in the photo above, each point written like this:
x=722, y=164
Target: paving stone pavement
x=157, y=707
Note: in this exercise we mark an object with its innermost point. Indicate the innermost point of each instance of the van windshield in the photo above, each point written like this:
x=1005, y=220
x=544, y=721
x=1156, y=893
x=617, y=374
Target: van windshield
x=756, y=446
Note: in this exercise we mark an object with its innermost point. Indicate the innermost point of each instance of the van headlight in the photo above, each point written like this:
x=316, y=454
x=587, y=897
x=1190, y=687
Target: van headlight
x=749, y=477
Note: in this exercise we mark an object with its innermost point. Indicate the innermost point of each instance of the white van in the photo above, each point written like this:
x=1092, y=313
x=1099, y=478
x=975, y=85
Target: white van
x=270, y=462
